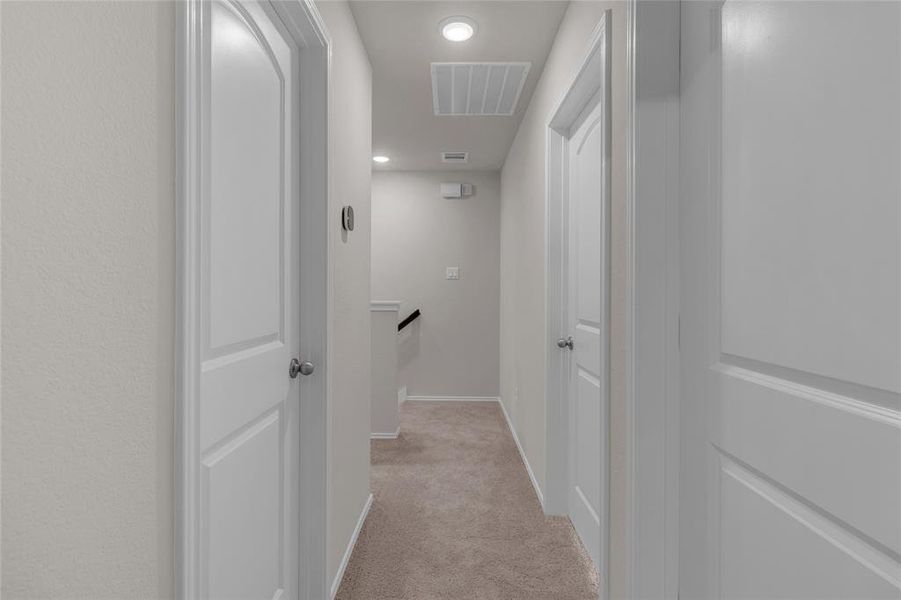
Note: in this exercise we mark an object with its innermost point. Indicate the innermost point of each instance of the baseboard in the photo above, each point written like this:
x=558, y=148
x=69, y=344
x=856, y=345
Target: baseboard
x=385, y=436
x=522, y=455
x=452, y=398
x=350, y=547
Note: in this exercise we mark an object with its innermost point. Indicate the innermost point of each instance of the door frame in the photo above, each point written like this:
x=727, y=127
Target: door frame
x=650, y=544
x=652, y=304
x=302, y=20
x=593, y=74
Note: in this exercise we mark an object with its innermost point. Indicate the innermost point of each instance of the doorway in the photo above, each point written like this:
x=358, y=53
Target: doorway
x=252, y=271
x=577, y=269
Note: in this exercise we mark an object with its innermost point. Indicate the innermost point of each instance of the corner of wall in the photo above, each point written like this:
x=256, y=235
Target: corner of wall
x=523, y=220
x=350, y=141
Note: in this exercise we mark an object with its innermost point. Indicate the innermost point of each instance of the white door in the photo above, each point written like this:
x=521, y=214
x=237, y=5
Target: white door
x=586, y=199
x=248, y=422
x=790, y=304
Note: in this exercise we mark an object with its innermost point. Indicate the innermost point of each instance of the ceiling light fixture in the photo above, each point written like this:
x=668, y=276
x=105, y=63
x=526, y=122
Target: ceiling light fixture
x=457, y=29
x=380, y=159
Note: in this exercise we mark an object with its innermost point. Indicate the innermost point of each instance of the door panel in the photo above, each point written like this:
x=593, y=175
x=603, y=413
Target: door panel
x=241, y=487
x=248, y=421
x=247, y=157
x=825, y=447
x=775, y=546
x=588, y=442
x=809, y=236
x=791, y=300
x=586, y=205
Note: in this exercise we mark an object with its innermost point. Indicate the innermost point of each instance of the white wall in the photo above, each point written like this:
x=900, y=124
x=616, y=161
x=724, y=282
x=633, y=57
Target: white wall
x=453, y=349
x=88, y=299
x=523, y=306
x=88, y=305
x=385, y=417
x=350, y=141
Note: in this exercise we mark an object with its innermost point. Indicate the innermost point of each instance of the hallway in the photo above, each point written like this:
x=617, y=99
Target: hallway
x=455, y=516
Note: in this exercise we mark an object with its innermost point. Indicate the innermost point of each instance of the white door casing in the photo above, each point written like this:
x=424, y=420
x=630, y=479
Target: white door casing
x=577, y=268
x=791, y=309
x=651, y=311
x=248, y=305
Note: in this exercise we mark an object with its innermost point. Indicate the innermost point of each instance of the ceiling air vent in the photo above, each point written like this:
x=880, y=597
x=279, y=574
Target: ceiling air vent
x=459, y=158
x=477, y=89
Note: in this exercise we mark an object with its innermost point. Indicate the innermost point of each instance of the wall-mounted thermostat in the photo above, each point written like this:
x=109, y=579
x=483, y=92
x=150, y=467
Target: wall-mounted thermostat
x=347, y=218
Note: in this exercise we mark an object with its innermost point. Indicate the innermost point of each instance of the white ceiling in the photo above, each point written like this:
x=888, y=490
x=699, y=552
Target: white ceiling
x=402, y=39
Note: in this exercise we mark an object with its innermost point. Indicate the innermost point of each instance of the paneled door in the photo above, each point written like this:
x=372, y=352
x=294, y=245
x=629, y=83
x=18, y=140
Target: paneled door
x=586, y=198
x=790, y=217
x=249, y=308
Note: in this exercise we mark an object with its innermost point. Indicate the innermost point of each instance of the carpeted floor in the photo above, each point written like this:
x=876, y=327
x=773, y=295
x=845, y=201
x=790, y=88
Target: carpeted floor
x=455, y=517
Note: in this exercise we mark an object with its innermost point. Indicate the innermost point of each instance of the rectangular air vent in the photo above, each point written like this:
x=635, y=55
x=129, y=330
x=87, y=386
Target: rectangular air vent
x=459, y=158
x=477, y=89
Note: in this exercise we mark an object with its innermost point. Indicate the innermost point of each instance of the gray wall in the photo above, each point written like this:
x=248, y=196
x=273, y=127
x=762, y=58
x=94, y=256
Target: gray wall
x=452, y=350
x=88, y=239
x=523, y=305
x=350, y=147
x=88, y=299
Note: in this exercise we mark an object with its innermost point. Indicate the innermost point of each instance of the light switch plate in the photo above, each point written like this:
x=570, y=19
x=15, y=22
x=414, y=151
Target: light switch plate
x=453, y=273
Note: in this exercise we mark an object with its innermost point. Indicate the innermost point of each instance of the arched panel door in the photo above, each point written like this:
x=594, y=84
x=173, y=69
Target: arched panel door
x=249, y=307
x=791, y=300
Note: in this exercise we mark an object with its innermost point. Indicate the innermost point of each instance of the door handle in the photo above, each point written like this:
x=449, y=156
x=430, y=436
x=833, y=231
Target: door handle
x=565, y=343
x=300, y=368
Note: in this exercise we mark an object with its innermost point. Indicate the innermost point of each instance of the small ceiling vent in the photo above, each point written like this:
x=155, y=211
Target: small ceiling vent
x=459, y=158
x=477, y=89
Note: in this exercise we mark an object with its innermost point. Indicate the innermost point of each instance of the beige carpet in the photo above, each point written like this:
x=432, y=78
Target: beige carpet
x=455, y=516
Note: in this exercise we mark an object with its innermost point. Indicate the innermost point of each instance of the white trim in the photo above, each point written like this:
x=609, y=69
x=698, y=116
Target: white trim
x=628, y=310
x=593, y=76
x=305, y=25
x=384, y=306
x=351, y=544
x=452, y=399
x=385, y=436
x=652, y=392
x=522, y=455
x=1, y=321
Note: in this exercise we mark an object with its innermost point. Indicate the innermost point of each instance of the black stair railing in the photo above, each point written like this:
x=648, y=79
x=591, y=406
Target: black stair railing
x=413, y=316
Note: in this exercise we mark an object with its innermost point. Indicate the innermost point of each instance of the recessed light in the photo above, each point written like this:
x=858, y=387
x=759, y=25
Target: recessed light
x=457, y=29
x=380, y=159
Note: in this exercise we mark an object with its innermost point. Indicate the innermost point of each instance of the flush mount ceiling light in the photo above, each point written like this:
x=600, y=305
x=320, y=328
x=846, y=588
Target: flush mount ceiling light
x=380, y=159
x=457, y=29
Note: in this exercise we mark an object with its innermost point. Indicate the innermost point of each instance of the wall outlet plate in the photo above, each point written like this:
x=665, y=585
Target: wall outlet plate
x=453, y=273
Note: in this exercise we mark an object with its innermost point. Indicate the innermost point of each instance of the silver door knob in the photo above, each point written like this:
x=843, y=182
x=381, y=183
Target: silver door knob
x=565, y=343
x=300, y=368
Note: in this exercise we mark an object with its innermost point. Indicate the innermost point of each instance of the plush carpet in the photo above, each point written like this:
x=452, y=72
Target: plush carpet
x=455, y=517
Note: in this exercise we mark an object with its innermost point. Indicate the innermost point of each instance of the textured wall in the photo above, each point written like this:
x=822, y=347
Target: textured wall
x=88, y=299
x=350, y=131
x=452, y=350
x=88, y=304
x=523, y=306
